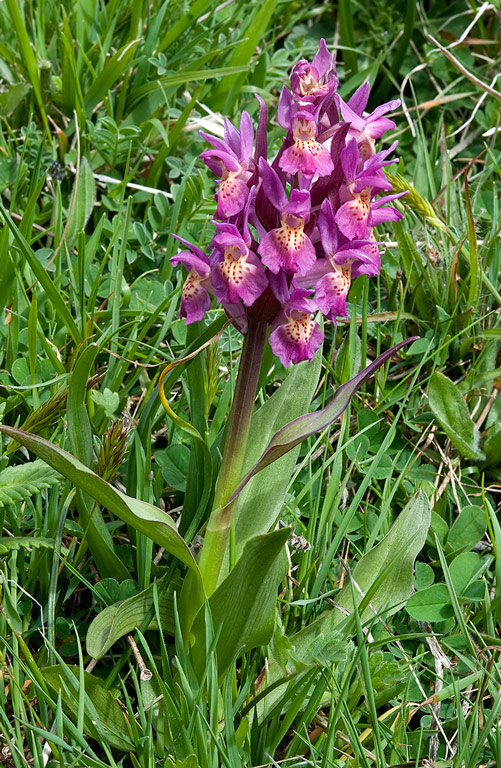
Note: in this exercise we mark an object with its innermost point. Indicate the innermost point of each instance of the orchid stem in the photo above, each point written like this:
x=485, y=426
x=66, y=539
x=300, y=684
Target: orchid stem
x=220, y=522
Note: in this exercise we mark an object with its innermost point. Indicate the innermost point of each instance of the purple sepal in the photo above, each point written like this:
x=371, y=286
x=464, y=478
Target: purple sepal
x=261, y=150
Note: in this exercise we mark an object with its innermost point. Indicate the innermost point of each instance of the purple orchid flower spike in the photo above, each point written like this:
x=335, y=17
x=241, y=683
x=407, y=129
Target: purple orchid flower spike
x=295, y=336
x=311, y=212
x=288, y=247
x=237, y=273
x=315, y=80
x=195, y=299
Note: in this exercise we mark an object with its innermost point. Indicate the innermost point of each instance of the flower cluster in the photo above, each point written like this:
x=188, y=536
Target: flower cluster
x=291, y=234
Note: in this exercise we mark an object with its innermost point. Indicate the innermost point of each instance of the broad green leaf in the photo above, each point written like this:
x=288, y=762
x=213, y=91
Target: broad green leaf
x=12, y=97
x=467, y=529
x=492, y=446
x=82, y=201
x=384, y=574
x=111, y=718
x=118, y=620
x=142, y=516
x=243, y=606
x=431, y=604
x=296, y=431
x=425, y=575
x=465, y=568
x=451, y=412
x=24, y=480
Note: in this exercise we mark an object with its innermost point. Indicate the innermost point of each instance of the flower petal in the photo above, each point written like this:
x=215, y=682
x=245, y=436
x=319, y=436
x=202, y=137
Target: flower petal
x=296, y=340
x=352, y=218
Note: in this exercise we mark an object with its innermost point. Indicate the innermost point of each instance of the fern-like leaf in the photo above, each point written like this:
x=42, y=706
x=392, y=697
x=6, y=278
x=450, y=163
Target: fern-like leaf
x=8, y=543
x=24, y=480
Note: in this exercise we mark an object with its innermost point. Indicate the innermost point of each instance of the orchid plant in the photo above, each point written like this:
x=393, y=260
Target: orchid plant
x=291, y=233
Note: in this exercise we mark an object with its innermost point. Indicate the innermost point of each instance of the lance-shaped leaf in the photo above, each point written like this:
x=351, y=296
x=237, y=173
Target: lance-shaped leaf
x=297, y=430
x=380, y=582
x=123, y=617
x=103, y=716
x=451, y=412
x=243, y=606
x=142, y=516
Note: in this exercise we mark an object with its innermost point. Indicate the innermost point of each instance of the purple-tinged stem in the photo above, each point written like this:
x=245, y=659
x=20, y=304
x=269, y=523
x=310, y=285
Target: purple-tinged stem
x=220, y=522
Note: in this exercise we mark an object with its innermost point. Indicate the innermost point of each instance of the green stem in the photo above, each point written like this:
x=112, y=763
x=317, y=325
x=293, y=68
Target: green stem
x=220, y=522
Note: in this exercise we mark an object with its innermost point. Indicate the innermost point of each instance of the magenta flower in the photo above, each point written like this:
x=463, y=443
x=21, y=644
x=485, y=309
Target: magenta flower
x=306, y=154
x=295, y=336
x=366, y=129
x=363, y=181
x=237, y=273
x=231, y=160
x=195, y=300
x=288, y=247
x=315, y=80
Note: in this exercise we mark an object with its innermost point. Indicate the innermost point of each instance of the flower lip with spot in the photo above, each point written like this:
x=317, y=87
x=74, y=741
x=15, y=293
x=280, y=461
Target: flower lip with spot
x=288, y=247
x=336, y=252
x=231, y=159
x=306, y=154
x=195, y=299
x=332, y=290
x=237, y=273
x=295, y=336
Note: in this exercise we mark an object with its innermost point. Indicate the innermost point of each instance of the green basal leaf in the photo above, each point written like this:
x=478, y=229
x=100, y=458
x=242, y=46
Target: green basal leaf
x=296, y=431
x=142, y=516
x=12, y=97
x=24, y=480
x=119, y=619
x=451, y=412
x=381, y=581
x=106, y=717
x=242, y=608
x=383, y=576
